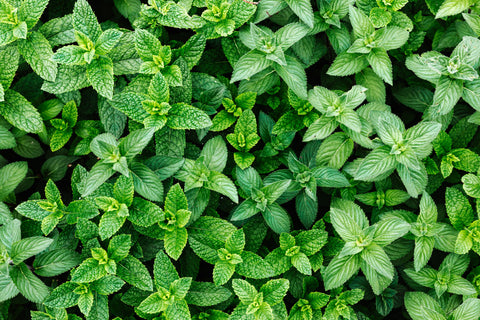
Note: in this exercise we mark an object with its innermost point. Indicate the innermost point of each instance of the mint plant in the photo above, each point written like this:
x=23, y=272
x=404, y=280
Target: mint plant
x=363, y=246
x=238, y=159
x=401, y=150
x=262, y=199
x=447, y=278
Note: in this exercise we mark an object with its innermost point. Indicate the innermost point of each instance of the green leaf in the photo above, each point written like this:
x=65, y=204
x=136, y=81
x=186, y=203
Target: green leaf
x=130, y=9
x=244, y=290
x=107, y=41
x=414, y=179
x=135, y=142
x=448, y=92
x=291, y=33
x=119, y=246
x=222, y=272
x=301, y=263
x=28, y=247
x=334, y=151
x=346, y=64
x=205, y=294
x=294, y=76
x=146, y=182
x=135, y=273
x=377, y=259
x=381, y=64
x=100, y=76
x=274, y=291
x=248, y=65
x=303, y=9
x=28, y=284
x=215, y=154
x=163, y=271
x=340, y=270
x=84, y=20
x=320, y=128
x=222, y=184
x=90, y=270
x=55, y=262
x=389, y=230
x=69, y=78
x=377, y=163
x=99, y=173
x=277, y=218
x=362, y=26
x=107, y=285
x=99, y=309
x=184, y=116
x=254, y=267
x=367, y=78
x=20, y=112
x=421, y=306
x=380, y=17
x=62, y=296
x=452, y=7
x=11, y=176
x=36, y=50
x=175, y=241
x=152, y=304
x=471, y=185
x=468, y=310
x=243, y=159
x=458, y=207
x=460, y=286
x=307, y=209
x=463, y=243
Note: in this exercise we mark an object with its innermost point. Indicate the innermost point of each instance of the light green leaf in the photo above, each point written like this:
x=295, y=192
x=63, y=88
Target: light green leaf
x=84, y=20
x=389, y=230
x=146, y=182
x=62, y=296
x=215, y=154
x=55, y=262
x=184, y=116
x=468, y=310
x=222, y=184
x=381, y=64
x=452, y=7
x=135, y=273
x=28, y=284
x=244, y=290
x=100, y=76
x=175, y=241
x=346, y=64
x=21, y=113
x=420, y=306
x=414, y=179
x=205, y=294
x=28, y=247
x=294, y=76
x=69, y=78
x=90, y=270
x=248, y=65
x=38, y=53
x=163, y=271
x=340, y=270
x=277, y=218
x=362, y=26
x=377, y=163
x=320, y=129
x=458, y=207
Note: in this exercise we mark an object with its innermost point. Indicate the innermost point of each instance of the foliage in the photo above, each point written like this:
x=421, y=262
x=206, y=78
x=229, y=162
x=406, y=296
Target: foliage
x=239, y=160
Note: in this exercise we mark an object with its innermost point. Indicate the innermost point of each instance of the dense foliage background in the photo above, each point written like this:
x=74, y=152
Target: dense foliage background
x=228, y=159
